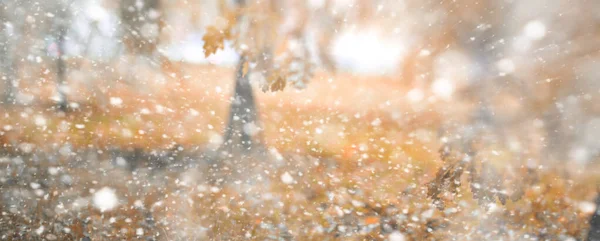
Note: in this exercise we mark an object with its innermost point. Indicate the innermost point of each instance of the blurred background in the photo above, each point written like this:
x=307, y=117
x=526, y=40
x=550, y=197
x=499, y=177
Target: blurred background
x=299, y=120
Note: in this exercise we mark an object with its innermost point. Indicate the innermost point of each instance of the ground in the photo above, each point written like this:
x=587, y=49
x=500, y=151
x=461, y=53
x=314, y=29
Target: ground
x=350, y=157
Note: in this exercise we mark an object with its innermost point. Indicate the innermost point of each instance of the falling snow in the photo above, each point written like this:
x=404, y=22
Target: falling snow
x=105, y=199
x=287, y=178
x=299, y=120
x=535, y=30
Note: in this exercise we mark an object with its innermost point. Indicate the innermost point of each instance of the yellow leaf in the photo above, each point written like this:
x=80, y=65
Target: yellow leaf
x=214, y=40
x=277, y=83
x=245, y=69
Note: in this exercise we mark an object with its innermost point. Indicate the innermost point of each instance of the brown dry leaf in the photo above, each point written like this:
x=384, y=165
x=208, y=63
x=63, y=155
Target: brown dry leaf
x=434, y=188
x=214, y=40
x=485, y=181
x=215, y=36
x=277, y=83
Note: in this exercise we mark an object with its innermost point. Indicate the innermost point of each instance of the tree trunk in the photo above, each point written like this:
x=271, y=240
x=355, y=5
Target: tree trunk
x=243, y=122
x=242, y=143
x=61, y=69
x=594, y=234
x=9, y=77
x=7, y=67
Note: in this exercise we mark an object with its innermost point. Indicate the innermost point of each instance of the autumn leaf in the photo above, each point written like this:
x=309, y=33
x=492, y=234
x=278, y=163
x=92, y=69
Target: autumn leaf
x=245, y=69
x=371, y=220
x=277, y=83
x=215, y=36
x=214, y=40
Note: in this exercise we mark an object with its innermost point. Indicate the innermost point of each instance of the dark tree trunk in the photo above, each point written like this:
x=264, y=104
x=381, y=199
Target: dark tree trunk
x=241, y=140
x=133, y=18
x=7, y=65
x=594, y=234
x=9, y=77
x=243, y=122
x=61, y=70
